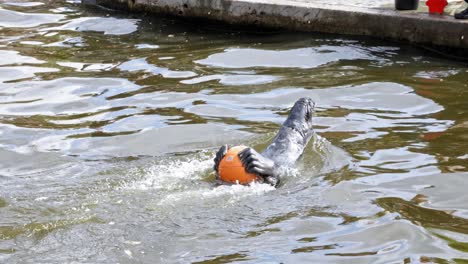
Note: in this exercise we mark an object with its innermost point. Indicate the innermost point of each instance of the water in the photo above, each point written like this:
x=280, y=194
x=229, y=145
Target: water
x=109, y=123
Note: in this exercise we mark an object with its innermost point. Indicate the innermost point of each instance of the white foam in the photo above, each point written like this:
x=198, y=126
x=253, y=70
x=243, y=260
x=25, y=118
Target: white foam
x=170, y=175
x=177, y=181
x=224, y=194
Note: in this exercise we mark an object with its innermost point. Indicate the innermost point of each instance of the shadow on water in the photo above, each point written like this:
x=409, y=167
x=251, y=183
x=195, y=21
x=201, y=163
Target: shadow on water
x=434, y=220
x=426, y=217
x=238, y=257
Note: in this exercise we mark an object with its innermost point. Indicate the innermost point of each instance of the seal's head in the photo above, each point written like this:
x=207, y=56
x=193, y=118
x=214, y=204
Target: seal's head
x=300, y=118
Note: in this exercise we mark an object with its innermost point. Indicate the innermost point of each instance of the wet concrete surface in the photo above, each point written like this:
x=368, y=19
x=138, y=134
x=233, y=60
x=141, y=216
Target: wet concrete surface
x=364, y=18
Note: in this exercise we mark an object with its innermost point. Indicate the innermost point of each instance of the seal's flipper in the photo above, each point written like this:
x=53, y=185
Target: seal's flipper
x=219, y=156
x=255, y=162
x=273, y=181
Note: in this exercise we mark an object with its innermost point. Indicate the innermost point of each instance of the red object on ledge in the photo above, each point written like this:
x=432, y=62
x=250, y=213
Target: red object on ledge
x=436, y=6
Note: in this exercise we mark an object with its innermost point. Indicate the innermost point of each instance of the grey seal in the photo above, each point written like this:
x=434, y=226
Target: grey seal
x=287, y=146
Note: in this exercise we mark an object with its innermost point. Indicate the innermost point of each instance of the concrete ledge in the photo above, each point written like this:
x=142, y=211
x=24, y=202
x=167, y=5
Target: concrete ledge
x=419, y=28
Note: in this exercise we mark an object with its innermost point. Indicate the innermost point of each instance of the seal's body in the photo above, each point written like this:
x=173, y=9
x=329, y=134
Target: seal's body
x=294, y=134
x=286, y=148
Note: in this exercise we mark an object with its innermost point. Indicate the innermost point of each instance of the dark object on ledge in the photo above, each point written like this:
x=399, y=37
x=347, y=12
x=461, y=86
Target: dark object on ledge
x=406, y=4
x=462, y=15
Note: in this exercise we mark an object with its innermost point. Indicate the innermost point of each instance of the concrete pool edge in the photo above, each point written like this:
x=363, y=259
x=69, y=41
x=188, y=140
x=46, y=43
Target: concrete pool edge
x=412, y=27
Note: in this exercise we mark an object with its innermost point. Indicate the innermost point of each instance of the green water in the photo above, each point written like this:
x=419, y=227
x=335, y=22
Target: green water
x=109, y=123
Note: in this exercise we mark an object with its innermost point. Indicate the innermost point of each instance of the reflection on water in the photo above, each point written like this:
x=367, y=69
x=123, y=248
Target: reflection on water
x=108, y=26
x=296, y=58
x=142, y=65
x=12, y=57
x=109, y=123
x=12, y=19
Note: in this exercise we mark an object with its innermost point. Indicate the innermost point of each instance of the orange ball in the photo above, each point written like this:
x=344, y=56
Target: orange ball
x=232, y=170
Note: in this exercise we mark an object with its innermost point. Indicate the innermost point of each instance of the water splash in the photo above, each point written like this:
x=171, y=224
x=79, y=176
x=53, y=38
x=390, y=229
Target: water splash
x=170, y=175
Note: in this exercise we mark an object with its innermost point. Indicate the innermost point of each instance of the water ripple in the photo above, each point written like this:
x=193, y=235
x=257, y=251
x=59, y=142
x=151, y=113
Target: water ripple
x=304, y=58
x=108, y=26
x=12, y=19
x=109, y=125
